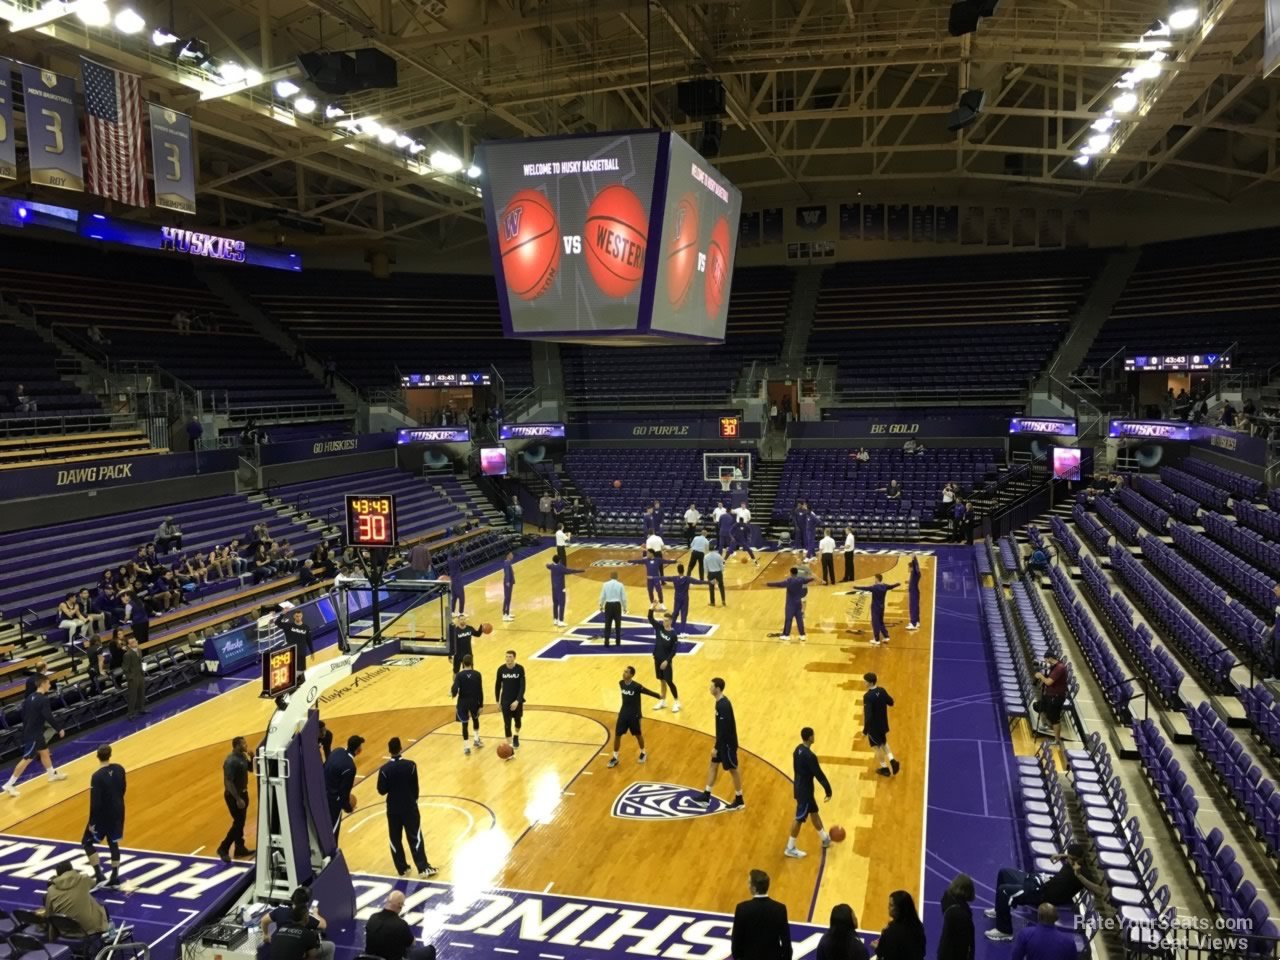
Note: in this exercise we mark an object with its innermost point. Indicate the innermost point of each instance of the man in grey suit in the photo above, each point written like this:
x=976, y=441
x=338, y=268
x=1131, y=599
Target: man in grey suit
x=760, y=927
x=134, y=680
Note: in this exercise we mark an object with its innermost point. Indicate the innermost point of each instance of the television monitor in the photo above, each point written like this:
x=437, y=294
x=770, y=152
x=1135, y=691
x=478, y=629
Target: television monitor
x=493, y=461
x=1066, y=463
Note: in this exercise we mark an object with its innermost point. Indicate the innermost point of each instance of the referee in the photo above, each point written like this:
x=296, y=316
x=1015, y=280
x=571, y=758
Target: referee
x=235, y=791
x=613, y=604
x=106, y=815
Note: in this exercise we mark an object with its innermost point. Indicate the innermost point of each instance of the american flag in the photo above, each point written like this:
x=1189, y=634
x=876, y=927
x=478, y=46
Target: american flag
x=113, y=108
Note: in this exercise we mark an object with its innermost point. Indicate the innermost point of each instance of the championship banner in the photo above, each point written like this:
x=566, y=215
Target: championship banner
x=850, y=221
x=8, y=146
x=772, y=230
x=53, y=129
x=172, y=159
x=899, y=222
x=749, y=229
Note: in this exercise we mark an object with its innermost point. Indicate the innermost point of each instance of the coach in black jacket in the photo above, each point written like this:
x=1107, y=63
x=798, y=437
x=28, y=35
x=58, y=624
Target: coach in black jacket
x=760, y=927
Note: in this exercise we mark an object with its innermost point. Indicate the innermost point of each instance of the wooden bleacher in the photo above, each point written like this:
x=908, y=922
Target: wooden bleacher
x=32, y=451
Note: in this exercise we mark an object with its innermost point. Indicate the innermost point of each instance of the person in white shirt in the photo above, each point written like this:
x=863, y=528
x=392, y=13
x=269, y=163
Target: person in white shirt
x=849, y=547
x=562, y=540
x=909, y=446
x=654, y=544
x=718, y=512
x=742, y=513
x=691, y=520
x=827, y=549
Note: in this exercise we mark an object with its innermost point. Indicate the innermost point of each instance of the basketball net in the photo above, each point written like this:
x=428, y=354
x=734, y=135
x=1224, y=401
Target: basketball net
x=725, y=484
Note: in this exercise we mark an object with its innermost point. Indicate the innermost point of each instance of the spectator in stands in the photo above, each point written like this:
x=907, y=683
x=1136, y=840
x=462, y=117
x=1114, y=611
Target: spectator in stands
x=774, y=420
x=96, y=336
x=113, y=652
x=330, y=372
x=386, y=934
x=956, y=940
x=108, y=604
x=516, y=515
x=1200, y=412
x=282, y=556
x=168, y=536
x=195, y=430
x=96, y=653
x=544, y=512
x=909, y=448
x=919, y=448
x=1228, y=415
x=1038, y=562
x=182, y=322
x=22, y=403
x=97, y=618
x=72, y=619
x=1182, y=405
x=135, y=680
x=261, y=565
x=841, y=941
x=239, y=562
x=893, y=491
x=1043, y=940
x=322, y=563
x=1250, y=409
x=135, y=614
x=70, y=894
x=591, y=514
x=903, y=938
x=1015, y=888
x=1054, y=697
x=218, y=563
x=193, y=568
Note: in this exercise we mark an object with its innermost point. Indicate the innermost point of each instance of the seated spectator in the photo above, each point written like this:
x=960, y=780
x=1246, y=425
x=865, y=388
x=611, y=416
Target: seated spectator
x=919, y=448
x=281, y=556
x=195, y=430
x=1043, y=940
x=239, y=562
x=1039, y=560
x=72, y=619
x=261, y=566
x=298, y=927
x=106, y=602
x=70, y=894
x=113, y=652
x=863, y=455
x=108, y=579
x=168, y=536
x=35, y=673
x=96, y=653
x=141, y=565
x=96, y=335
x=23, y=403
x=306, y=573
x=841, y=941
x=893, y=491
x=97, y=618
x=1015, y=888
x=322, y=563
x=194, y=567
x=909, y=447
x=386, y=934
x=182, y=322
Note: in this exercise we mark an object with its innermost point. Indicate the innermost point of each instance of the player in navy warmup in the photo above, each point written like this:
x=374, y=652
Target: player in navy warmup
x=456, y=583
x=398, y=782
x=796, y=587
x=340, y=778
x=877, y=591
x=799, y=524
x=106, y=815
x=653, y=565
x=629, y=714
x=725, y=753
x=742, y=541
x=509, y=692
x=659, y=517
x=724, y=531
x=558, y=572
x=680, y=586
x=806, y=769
x=812, y=523
x=37, y=718
x=508, y=584
x=468, y=687
x=913, y=596
x=875, y=724
x=463, y=634
x=665, y=646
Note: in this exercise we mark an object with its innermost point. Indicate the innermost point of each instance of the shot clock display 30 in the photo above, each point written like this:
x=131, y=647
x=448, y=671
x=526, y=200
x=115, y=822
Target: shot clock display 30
x=371, y=520
x=280, y=671
x=730, y=428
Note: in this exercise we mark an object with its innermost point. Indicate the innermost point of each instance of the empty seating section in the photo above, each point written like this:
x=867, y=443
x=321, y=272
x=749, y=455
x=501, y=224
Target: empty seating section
x=410, y=323
x=420, y=507
x=1118, y=519
x=947, y=327
x=1265, y=522
x=1263, y=711
x=28, y=360
x=672, y=476
x=221, y=354
x=844, y=492
x=1189, y=636
x=1200, y=296
x=688, y=373
x=1237, y=483
x=69, y=448
x=1226, y=567
x=1093, y=531
x=1110, y=673
x=1175, y=503
x=1252, y=792
x=1215, y=498
x=1015, y=687
x=1155, y=517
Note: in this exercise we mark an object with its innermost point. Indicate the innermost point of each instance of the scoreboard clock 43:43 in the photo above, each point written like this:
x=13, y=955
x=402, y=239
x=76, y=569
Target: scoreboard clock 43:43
x=371, y=520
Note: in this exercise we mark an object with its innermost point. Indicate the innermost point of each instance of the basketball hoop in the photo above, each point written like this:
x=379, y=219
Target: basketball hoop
x=725, y=483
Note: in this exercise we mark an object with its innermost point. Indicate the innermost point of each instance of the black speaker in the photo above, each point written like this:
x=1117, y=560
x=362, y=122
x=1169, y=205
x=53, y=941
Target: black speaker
x=963, y=18
x=701, y=99
x=967, y=111
x=374, y=69
x=330, y=72
x=987, y=8
x=709, y=145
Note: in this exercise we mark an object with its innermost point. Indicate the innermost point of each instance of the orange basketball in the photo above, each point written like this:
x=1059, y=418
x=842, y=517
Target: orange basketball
x=716, y=287
x=444, y=577
x=351, y=802
x=837, y=833
x=616, y=235
x=529, y=241
x=682, y=260
x=505, y=751
x=617, y=484
x=486, y=628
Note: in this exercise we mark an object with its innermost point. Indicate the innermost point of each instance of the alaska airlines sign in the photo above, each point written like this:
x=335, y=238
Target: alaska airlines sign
x=209, y=245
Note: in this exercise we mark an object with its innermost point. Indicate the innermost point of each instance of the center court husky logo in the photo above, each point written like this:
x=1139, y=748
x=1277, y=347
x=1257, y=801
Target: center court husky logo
x=662, y=801
x=611, y=563
x=583, y=640
x=511, y=222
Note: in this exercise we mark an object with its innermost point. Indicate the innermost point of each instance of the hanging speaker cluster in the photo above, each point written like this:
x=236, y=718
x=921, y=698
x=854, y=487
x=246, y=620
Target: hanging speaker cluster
x=966, y=14
x=967, y=110
x=338, y=72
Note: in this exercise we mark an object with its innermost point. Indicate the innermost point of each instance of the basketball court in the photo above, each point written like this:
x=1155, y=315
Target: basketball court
x=556, y=820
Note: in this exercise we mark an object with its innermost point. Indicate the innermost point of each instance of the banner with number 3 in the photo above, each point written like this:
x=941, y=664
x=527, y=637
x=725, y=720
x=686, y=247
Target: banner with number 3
x=53, y=129
x=172, y=159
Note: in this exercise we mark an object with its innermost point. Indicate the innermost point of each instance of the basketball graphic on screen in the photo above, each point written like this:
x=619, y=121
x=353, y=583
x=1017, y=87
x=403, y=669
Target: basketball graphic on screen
x=529, y=241
x=682, y=261
x=717, y=283
x=615, y=239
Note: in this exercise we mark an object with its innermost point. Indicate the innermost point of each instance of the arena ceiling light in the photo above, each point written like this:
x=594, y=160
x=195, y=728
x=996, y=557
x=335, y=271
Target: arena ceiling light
x=473, y=171
x=387, y=135
x=93, y=13
x=416, y=148
x=1183, y=16
x=1099, y=142
x=287, y=88
x=445, y=162
x=1103, y=124
x=128, y=21
x=161, y=37
x=1081, y=161
x=231, y=72
x=333, y=110
x=403, y=140
x=1125, y=103
x=304, y=105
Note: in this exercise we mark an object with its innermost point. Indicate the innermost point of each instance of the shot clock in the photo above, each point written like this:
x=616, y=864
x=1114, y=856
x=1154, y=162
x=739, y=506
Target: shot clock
x=371, y=520
x=730, y=428
x=280, y=674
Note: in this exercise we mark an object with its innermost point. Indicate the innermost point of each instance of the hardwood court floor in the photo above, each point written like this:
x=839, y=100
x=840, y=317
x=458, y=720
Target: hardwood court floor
x=546, y=818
